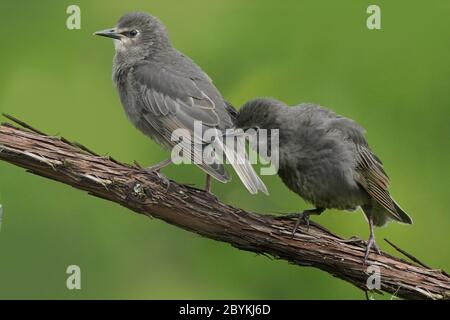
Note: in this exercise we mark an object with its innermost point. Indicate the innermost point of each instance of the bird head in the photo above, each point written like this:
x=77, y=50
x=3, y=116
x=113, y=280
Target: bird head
x=137, y=34
x=261, y=113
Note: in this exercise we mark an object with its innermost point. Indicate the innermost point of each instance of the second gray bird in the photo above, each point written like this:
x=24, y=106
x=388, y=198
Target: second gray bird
x=325, y=158
x=163, y=90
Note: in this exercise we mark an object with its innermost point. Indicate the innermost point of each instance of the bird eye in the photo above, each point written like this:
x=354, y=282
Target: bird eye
x=133, y=33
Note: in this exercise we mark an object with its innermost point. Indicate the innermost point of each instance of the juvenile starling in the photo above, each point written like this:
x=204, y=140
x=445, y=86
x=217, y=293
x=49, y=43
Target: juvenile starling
x=163, y=90
x=324, y=158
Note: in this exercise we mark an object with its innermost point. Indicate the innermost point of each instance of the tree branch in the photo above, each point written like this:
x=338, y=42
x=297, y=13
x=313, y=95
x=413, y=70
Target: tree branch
x=197, y=211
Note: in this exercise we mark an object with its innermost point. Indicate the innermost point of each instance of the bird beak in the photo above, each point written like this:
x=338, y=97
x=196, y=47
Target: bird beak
x=109, y=33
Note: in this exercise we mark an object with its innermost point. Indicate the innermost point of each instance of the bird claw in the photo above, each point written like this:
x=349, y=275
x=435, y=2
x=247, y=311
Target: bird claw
x=164, y=180
x=303, y=216
x=212, y=195
x=371, y=244
x=160, y=176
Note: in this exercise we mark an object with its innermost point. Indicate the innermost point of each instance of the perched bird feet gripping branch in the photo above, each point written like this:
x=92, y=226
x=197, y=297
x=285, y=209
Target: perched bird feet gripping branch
x=304, y=217
x=157, y=168
x=371, y=242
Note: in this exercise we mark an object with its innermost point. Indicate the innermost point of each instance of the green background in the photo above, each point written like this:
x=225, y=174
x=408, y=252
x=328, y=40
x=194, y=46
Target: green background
x=394, y=82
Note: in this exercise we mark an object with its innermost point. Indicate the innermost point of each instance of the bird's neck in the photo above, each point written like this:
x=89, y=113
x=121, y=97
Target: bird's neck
x=121, y=66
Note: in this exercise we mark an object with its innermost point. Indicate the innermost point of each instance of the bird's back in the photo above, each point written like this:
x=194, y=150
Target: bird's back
x=316, y=160
x=184, y=67
x=327, y=160
x=177, y=78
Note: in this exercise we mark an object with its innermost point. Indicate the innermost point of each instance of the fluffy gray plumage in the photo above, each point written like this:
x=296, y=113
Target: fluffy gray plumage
x=324, y=158
x=162, y=90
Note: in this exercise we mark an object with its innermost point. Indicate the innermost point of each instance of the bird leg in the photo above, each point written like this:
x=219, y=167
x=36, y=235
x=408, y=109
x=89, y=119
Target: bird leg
x=208, y=183
x=304, y=216
x=156, y=169
x=371, y=242
x=159, y=166
x=208, y=187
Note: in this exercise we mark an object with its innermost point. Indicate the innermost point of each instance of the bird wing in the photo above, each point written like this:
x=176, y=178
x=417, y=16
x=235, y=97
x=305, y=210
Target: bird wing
x=171, y=94
x=371, y=175
x=373, y=178
x=171, y=101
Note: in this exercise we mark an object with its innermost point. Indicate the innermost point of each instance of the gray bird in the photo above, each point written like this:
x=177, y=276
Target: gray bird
x=163, y=90
x=324, y=158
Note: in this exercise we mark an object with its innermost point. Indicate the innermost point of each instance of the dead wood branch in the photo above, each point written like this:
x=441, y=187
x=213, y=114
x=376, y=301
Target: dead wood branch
x=196, y=211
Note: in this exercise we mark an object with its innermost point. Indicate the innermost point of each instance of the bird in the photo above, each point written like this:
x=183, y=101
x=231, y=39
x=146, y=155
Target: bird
x=163, y=90
x=326, y=160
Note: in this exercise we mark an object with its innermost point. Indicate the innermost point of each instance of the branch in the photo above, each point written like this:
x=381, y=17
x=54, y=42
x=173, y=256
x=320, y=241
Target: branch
x=197, y=211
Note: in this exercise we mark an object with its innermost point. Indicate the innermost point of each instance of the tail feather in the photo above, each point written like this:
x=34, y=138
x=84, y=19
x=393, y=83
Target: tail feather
x=243, y=168
x=216, y=171
x=381, y=216
x=404, y=217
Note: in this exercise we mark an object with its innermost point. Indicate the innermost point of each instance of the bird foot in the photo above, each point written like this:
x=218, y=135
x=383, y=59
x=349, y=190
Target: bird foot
x=212, y=195
x=164, y=179
x=302, y=217
x=371, y=244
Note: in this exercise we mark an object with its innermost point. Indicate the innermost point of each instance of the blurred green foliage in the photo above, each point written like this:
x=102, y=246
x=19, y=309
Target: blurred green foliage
x=395, y=82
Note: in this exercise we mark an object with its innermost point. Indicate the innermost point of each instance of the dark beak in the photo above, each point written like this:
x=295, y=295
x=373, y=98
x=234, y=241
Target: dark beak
x=109, y=33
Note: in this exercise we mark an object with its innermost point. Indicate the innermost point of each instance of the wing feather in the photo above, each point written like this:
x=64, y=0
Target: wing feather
x=173, y=102
x=370, y=172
